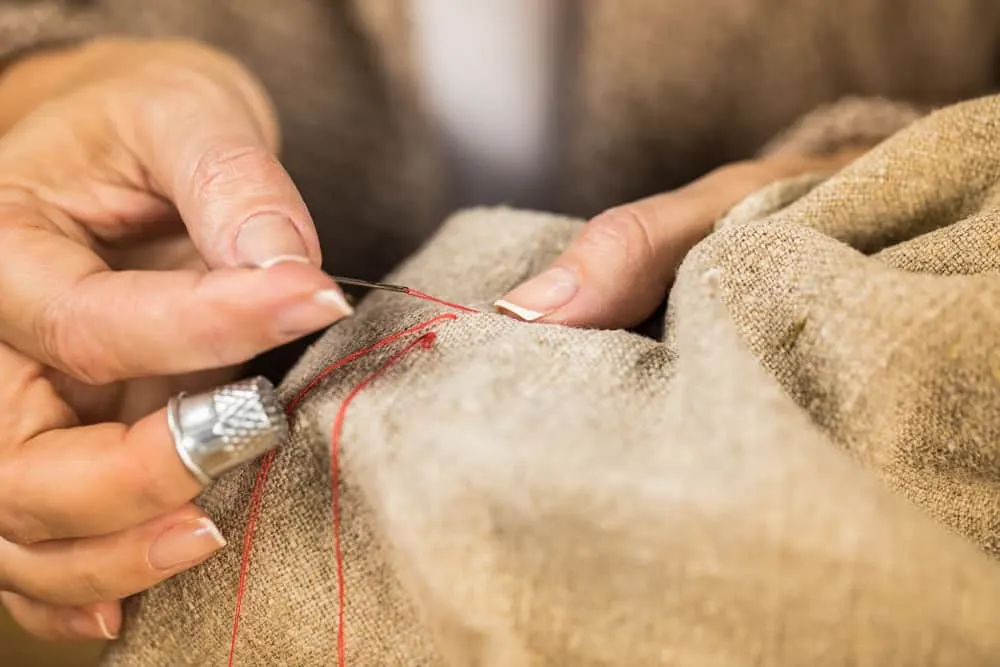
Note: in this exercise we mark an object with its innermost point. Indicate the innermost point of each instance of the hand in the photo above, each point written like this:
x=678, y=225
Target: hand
x=149, y=242
x=623, y=263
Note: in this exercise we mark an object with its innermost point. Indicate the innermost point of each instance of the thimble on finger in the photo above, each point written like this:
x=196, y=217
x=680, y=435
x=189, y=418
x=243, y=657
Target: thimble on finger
x=226, y=427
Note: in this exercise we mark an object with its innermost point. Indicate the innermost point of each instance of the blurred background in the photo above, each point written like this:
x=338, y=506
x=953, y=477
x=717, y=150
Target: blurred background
x=19, y=650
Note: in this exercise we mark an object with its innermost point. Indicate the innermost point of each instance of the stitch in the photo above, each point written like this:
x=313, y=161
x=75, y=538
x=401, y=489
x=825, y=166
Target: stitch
x=326, y=372
x=424, y=342
x=260, y=481
x=248, y=534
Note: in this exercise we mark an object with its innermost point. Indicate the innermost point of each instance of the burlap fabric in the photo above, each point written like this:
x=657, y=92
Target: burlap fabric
x=804, y=472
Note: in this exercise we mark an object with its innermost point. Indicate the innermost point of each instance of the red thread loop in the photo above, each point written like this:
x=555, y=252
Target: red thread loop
x=354, y=356
x=260, y=482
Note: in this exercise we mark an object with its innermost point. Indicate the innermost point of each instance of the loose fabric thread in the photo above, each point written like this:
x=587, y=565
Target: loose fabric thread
x=260, y=482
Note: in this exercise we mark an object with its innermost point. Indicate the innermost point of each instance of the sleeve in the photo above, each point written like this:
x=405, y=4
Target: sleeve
x=849, y=122
x=27, y=26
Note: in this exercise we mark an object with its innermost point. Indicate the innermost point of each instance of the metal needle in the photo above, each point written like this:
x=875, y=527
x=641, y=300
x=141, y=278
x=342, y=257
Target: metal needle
x=371, y=285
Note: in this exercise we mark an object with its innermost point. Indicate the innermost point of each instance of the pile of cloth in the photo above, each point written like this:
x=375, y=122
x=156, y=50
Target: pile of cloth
x=804, y=470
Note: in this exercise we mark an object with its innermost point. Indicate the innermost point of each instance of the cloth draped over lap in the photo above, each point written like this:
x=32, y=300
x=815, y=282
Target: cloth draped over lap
x=804, y=471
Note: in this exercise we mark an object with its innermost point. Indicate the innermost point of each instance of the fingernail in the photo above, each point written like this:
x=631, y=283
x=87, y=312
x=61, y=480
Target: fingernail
x=103, y=626
x=268, y=239
x=540, y=296
x=185, y=544
x=335, y=298
x=326, y=307
x=283, y=258
x=87, y=624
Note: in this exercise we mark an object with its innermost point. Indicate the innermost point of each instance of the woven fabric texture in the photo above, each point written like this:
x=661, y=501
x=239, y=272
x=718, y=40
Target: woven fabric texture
x=805, y=471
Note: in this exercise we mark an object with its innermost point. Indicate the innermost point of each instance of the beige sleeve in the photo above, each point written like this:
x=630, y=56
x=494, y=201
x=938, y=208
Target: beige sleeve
x=30, y=25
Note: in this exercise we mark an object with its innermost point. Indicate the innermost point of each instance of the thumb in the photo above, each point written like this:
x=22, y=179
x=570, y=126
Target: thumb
x=209, y=152
x=621, y=266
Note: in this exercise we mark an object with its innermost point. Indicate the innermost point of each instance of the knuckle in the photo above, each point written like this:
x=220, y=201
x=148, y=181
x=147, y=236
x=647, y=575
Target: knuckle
x=220, y=348
x=67, y=347
x=17, y=525
x=48, y=329
x=10, y=529
x=624, y=231
x=19, y=529
x=15, y=577
x=16, y=198
x=10, y=583
x=215, y=334
x=90, y=580
x=219, y=171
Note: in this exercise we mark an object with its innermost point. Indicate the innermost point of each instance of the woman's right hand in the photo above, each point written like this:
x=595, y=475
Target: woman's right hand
x=150, y=242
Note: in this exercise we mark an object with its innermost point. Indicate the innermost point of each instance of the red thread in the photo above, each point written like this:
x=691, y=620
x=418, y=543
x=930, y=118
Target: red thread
x=423, y=342
x=248, y=533
x=428, y=297
x=354, y=356
x=260, y=481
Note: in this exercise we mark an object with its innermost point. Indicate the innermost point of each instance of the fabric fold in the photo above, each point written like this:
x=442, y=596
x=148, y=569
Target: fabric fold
x=804, y=471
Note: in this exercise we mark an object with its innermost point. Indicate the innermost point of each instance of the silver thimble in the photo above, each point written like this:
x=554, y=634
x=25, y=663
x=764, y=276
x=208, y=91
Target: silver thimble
x=222, y=429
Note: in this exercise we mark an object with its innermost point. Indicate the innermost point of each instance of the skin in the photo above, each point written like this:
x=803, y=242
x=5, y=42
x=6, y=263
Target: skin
x=151, y=242
x=623, y=263
x=127, y=174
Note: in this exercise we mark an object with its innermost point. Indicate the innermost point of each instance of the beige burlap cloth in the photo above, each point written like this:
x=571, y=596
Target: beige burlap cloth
x=804, y=472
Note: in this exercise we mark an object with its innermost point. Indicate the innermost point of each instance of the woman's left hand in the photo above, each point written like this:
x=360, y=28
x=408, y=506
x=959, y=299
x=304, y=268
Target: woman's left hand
x=622, y=265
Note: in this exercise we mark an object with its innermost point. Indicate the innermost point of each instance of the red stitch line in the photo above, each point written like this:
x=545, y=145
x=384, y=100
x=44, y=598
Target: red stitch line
x=423, y=342
x=248, y=534
x=326, y=372
x=265, y=466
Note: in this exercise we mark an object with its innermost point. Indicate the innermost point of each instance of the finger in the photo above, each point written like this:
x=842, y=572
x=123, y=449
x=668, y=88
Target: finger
x=88, y=480
x=210, y=155
x=58, y=483
x=53, y=622
x=62, y=307
x=621, y=266
x=101, y=569
x=618, y=269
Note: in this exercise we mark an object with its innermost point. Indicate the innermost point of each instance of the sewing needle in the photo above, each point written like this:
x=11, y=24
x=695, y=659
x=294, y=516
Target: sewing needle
x=401, y=289
x=371, y=285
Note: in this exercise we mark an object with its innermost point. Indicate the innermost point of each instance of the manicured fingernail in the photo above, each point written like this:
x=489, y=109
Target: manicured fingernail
x=88, y=624
x=185, y=544
x=268, y=239
x=335, y=298
x=326, y=307
x=540, y=296
x=103, y=625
